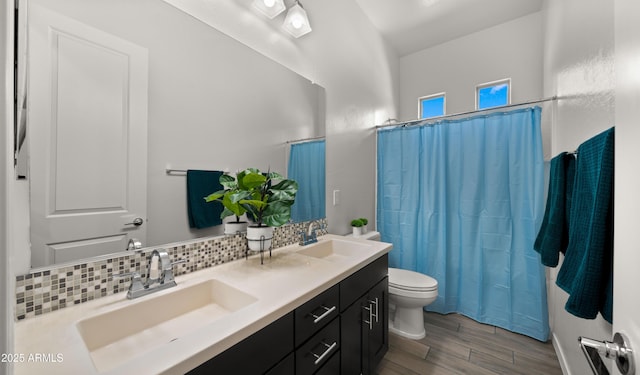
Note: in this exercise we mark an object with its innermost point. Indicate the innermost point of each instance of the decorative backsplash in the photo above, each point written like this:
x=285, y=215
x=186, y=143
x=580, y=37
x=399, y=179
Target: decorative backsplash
x=59, y=287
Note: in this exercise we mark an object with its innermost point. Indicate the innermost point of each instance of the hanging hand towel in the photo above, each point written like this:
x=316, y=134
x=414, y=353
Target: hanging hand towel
x=586, y=272
x=200, y=184
x=553, y=236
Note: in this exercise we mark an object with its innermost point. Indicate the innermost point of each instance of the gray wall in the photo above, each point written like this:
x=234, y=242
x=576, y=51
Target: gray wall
x=579, y=66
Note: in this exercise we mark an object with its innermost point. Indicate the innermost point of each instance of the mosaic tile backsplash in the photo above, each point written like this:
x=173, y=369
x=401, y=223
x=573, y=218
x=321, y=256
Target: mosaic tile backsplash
x=59, y=287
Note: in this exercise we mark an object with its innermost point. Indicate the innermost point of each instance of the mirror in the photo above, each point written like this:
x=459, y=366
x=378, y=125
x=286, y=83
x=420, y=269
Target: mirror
x=182, y=95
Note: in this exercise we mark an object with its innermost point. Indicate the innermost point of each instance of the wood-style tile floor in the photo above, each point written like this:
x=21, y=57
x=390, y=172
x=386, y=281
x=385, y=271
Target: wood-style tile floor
x=456, y=344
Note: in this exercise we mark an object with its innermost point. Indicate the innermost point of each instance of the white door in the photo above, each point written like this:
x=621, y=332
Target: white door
x=87, y=130
x=626, y=282
x=625, y=351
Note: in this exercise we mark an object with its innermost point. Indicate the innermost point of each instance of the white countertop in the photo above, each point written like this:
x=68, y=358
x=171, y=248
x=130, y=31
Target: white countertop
x=52, y=344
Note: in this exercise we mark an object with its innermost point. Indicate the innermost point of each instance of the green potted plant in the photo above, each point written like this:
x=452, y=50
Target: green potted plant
x=356, y=226
x=230, y=198
x=365, y=221
x=267, y=199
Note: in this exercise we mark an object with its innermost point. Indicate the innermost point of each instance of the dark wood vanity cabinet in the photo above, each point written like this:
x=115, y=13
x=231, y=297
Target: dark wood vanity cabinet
x=343, y=330
x=256, y=354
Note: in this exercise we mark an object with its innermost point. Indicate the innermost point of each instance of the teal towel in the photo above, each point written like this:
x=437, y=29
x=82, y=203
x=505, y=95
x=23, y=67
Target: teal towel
x=586, y=272
x=199, y=185
x=553, y=236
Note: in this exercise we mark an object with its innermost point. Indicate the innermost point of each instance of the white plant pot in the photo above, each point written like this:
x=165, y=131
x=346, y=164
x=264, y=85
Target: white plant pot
x=233, y=227
x=357, y=231
x=364, y=229
x=255, y=235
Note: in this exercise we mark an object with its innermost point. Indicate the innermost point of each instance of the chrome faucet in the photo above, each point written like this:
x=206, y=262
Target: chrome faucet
x=161, y=278
x=310, y=236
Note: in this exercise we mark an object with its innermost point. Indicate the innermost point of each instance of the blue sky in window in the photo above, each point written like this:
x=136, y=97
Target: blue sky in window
x=493, y=96
x=432, y=107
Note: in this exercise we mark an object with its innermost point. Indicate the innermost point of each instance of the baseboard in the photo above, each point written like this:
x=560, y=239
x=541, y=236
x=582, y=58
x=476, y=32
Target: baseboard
x=560, y=354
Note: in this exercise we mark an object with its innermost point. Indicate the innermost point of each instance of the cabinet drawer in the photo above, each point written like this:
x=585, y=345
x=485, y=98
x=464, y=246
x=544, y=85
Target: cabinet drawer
x=286, y=367
x=317, y=313
x=332, y=367
x=319, y=349
x=264, y=348
x=356, y=285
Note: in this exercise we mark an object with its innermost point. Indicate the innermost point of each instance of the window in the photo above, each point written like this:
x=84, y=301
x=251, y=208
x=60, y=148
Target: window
x=432, y=105
x=493, y=94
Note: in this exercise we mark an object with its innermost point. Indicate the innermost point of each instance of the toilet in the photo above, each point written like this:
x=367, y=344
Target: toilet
x=409, y=292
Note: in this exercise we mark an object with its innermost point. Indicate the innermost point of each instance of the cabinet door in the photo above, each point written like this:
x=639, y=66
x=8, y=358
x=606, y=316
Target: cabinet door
x=352, y=336
x=378, y=335
x=365, y=331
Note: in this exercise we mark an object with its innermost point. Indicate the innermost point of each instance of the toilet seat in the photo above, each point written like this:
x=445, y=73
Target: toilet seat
x=410, y=281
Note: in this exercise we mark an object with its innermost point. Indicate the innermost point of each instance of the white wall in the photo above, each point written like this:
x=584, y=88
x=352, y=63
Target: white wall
x=509, y=50
x=6, y=170
x=579, y=67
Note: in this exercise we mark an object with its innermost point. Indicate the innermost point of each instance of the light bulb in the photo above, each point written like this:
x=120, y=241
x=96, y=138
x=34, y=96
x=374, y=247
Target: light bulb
x=269, y=8
x=297, y=22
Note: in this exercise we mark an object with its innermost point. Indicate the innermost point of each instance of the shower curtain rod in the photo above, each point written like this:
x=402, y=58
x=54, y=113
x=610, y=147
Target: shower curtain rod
x=304, y=140
x=437, y=119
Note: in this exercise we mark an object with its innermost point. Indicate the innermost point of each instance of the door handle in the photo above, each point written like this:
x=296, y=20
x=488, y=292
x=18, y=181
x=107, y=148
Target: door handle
x=618, y=349
x=369, y=309
x=134, y=244
x=137, y=222
x=374, y=302
x=329, y=348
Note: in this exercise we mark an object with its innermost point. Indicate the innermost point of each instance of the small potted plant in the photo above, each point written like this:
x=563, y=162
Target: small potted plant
x=268, y=199
x=230, y=198
x=356, y=225
x=364, y=225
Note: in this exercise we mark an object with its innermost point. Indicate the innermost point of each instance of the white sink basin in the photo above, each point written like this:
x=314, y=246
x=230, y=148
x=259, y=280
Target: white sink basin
x=117, y=336
x=334, y=249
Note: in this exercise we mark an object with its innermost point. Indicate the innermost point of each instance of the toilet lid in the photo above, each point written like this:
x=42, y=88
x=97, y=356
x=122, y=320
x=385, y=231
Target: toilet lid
x=410, y=280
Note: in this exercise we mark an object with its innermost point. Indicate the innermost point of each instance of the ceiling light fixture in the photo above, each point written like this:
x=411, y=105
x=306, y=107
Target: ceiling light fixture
x=270, y=8
x=297, y=23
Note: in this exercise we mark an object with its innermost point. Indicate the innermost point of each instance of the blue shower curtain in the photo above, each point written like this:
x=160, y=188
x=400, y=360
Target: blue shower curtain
x=307, y=168
x=462, y=201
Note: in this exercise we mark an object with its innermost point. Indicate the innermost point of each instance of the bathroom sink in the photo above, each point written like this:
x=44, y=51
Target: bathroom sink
x=334, y=249
x=117, y=336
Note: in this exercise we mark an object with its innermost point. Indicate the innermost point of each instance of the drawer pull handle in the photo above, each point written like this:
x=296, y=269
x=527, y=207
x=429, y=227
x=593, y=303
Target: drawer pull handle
x=370, y=321
x=320, y=357
x=324, y=315
x=375, y=315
